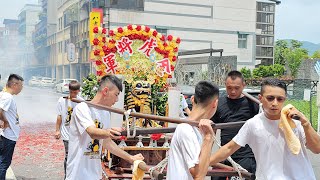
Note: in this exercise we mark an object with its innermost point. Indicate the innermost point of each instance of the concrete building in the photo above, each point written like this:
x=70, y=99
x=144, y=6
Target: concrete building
x=229, y=25
x=43, y=29
x=28, y=19
x=265, y=31
x=10, y=52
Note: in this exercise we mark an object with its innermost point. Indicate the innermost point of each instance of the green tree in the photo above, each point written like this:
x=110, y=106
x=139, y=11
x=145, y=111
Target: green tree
x=246, y=72
x=262, y=71
x=275, y=70
x=316, y=55
x=279, y=56
x=294, y=59
x=90, y=86
x=295, y=44
x=278, y=70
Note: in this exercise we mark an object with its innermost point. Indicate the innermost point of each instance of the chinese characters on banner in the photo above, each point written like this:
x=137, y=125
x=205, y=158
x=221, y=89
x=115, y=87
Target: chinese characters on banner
x=124, y=45
x=163, y=66
x=95, y=19
x=148, y=46
x=111, y=63
x=124, y=48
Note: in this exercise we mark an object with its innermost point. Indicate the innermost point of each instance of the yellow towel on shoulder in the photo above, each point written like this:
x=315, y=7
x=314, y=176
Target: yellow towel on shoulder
x=137, y=173
x=286, y=124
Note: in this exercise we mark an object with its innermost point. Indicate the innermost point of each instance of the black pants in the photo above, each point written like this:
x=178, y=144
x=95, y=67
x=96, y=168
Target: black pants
x=66, y=144
x=247, y=163
x=6, y=153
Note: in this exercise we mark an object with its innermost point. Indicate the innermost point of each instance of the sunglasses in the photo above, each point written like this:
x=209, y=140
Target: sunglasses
x=272, y=98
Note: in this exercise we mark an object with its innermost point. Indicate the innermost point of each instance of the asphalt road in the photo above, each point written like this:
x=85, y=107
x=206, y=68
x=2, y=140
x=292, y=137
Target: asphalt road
x=38, y=155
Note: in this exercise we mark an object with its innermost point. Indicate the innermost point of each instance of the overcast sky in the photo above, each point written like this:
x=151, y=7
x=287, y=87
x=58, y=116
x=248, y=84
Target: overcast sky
x=295, y=19
x=298, y=19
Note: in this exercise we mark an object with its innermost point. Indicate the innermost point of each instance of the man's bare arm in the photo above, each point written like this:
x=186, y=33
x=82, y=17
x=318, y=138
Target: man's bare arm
x=312, y=138
x=224, y=152
x=116, y=150
x=58, y=126
x=97, y=133
x=4, y=119
x=199, y=171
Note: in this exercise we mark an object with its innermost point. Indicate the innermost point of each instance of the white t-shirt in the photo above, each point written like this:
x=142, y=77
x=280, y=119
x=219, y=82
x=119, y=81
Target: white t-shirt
x=9, y=107
x=64, y=109
x=182, y=106
x=184, y=152
x=84, y=158
x=274, y=159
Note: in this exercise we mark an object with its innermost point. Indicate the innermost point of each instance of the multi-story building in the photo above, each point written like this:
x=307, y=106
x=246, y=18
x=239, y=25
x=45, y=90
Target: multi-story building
x=10, y=52
x=229, y=25
x=44, y=28
x=28, y=19
x=265, y=31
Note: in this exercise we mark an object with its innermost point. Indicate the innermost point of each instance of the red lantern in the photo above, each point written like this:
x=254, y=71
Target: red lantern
x=147, y=29
x=111, y=33
x=163, y=37
x=138, y=28
x=172, y=68
x=104, y=39
x=155, y=33
x=170, y=38
x=96, y=52
x=98, y=63
x=130, y=27
x=104, y=31
x=120, y=30
x=95, y=41
x=174, y=58
x=99, y=73
x=95, y=30
x=178, y=40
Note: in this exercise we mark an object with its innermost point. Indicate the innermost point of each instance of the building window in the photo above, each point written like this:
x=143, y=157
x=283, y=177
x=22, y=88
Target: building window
x=242, y=41
x=266, y=7
x=264, y=52
x=126, y=4
x=265, y=40
x=266, y=28
x=265, y=17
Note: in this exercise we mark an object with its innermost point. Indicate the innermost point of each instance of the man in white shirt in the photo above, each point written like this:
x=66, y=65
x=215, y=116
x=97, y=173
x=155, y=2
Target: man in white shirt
x=10, y=122
x=190, y=147
x=274, y=159
x=88, y=127
x=183, y=107
x=64, y=110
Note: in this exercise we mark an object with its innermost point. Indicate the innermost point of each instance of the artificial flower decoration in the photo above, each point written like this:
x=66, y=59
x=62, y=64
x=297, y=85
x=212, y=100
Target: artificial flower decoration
x=136, y=52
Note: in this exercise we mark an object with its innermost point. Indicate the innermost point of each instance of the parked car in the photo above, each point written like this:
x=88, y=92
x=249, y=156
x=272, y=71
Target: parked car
x=63, y=85
x=35, y=81
x=47, y=82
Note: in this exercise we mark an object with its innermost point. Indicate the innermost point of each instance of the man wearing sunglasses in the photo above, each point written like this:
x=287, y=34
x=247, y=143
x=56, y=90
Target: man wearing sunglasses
x=267, y=141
